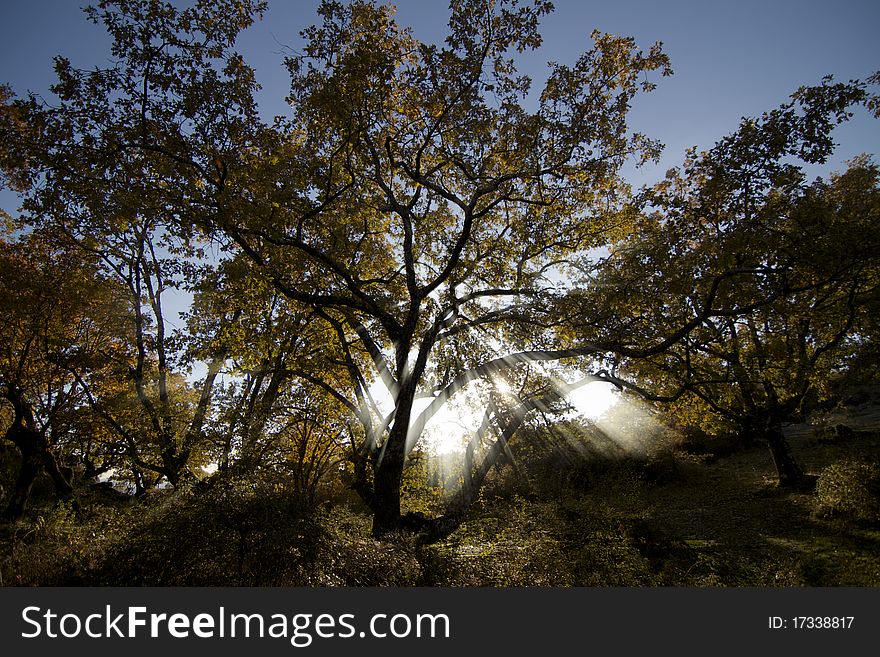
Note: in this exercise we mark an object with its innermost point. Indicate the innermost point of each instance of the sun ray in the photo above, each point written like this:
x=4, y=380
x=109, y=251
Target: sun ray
x=594, y=399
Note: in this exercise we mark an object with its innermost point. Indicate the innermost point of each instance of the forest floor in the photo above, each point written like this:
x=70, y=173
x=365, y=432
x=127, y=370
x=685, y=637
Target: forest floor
x=713, y=516
x=711, y=521
x=734, y=513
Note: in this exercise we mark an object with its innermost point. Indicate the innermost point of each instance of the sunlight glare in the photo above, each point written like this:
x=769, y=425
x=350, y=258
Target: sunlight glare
x=594, y=399
x=502, y=386
x=452, y=426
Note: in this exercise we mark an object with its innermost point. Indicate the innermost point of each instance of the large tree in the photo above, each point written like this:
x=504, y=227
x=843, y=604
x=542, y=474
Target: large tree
x=415, y=201
x=417, y=204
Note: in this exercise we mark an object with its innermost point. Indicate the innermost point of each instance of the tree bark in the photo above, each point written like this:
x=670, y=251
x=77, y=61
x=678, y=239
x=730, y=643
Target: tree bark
x=788, y=472
x=388, y=469
x=35, y=455
x=387, y=481
x=63, y=487
x=21, y=492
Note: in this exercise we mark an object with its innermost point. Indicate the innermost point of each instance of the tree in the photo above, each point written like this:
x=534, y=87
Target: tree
x=95, y=174
x=413, y=203
x=168, y=428
x=803, y=274
x=270, y=419
x=432, y=203
x=54, y=308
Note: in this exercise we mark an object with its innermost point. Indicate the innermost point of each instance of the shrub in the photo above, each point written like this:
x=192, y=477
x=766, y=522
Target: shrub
x=230, y=535
x=49, y=549
x=849, y=489
x=348, y=555
x=507, y=542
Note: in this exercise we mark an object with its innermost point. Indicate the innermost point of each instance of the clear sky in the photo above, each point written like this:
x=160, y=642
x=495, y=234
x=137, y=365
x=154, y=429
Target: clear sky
x=731, y=59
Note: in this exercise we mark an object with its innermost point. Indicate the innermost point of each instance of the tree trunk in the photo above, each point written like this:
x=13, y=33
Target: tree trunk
x=767, y=426
x=140, y=489
x=788, y=471
x=35, y=455
x=475, y=476
x=63, y=487
x=388, y=468
x=387, y=480
x=27, y=475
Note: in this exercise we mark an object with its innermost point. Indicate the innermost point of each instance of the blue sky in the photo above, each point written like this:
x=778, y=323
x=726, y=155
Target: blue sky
x=731, y=59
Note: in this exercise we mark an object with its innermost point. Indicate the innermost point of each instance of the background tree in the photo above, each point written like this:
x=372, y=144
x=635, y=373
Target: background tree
x=174, y=412
x=56, y=308
x=270, y=418
x=794, y=264
x=101, y=176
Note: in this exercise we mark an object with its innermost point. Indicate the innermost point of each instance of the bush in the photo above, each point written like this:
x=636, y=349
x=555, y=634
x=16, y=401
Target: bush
x=849, y=489
x=51, y=548
x=230, y=535
x=349, y=555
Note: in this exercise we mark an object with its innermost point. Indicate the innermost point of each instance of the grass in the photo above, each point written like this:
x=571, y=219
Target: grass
x=720, y=522
x=691, y=521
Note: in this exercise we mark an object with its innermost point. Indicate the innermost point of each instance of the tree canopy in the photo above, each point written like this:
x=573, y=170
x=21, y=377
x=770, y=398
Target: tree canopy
x=424, y=221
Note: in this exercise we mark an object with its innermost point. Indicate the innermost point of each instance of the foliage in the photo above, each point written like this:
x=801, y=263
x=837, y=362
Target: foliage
x=713, y=525
x=58, y=314
x=247, y=536
x=351, y=556
x=746, y=288
x=423, y=225
x=849, y=489
x=55, y=546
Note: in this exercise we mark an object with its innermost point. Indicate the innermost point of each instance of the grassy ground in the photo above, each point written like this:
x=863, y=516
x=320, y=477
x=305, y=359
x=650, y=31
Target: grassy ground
x=680, y=520
x=722, y=522
x=733, y=515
